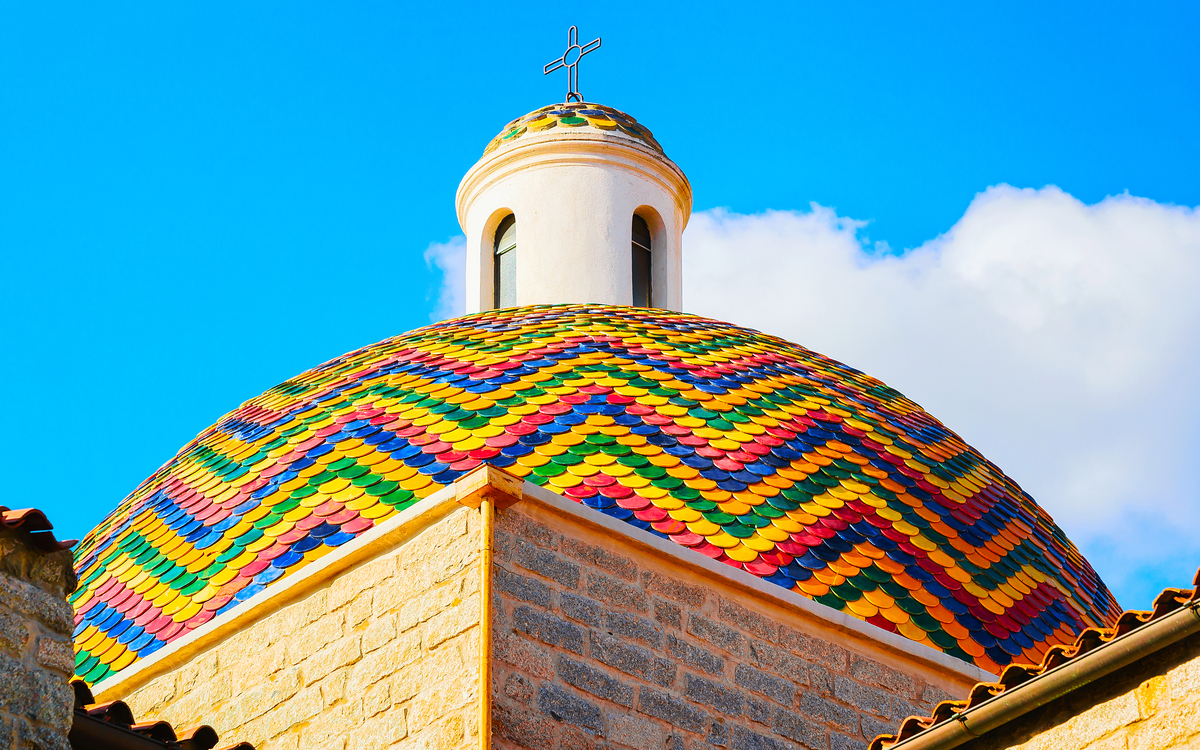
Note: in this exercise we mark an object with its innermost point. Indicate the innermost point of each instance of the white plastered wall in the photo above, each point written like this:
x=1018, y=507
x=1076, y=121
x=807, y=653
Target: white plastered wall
x=574, y=195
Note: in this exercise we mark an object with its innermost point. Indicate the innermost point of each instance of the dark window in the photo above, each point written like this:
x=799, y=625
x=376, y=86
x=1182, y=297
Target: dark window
x=504, y=264
x=642, y=288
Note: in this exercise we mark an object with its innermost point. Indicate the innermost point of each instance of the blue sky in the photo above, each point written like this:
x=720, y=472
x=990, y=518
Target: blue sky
x=199, y=202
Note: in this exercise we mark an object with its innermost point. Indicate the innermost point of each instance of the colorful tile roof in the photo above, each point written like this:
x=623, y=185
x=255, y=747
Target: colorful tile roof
x=582, y=115
x=1015, y=675
x=744, y=447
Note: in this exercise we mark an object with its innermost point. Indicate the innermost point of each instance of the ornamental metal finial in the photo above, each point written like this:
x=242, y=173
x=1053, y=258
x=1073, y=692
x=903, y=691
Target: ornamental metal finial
x=570, y=60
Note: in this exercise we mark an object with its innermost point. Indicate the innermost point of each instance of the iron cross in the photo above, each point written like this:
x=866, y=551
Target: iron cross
x=570, y=60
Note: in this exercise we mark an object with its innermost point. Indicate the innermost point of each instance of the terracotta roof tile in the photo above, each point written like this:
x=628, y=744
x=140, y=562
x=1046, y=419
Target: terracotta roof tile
x=116, y=717
x=1168, y=601
x=35, y=523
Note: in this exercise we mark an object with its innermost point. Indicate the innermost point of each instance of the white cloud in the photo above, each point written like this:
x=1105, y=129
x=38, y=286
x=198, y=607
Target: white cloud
x=1062, y=340
x=449, y=259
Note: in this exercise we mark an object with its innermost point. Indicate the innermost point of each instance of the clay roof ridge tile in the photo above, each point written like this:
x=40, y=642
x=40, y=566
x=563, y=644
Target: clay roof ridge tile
x=118, y=713
x=1167, y=601
x=114, y=712
x=158, y=730
x=35, y=523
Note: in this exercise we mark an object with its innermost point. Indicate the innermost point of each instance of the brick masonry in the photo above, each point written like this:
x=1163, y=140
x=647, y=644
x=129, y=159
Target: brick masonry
x=386, y=655
x=599, y=644
x=36, y=656
x=1152, y=704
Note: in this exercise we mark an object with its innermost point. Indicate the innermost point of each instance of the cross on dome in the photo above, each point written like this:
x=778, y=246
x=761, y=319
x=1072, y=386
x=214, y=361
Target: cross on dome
x=570, y=60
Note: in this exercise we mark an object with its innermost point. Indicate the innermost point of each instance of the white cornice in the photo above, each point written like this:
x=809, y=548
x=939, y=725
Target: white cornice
x=556, y=148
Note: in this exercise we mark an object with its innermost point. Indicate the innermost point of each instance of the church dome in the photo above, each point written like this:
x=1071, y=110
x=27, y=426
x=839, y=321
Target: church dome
x=578, y=117
x=744, y=447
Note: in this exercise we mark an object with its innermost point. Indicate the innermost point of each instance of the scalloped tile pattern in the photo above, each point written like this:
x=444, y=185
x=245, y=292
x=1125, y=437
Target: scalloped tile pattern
x=743, y=447
x=574, y=115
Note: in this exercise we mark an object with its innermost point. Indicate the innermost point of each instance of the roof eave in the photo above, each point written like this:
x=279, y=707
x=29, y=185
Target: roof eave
x=1017, y=701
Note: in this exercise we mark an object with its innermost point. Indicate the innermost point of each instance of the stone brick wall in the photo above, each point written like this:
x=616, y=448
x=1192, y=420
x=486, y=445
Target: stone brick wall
x=601, y=644
x=385, y=655
x=36, y=659
x=1153, y=704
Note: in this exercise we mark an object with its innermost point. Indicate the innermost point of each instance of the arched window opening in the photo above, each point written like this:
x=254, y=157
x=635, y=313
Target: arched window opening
x=504, y=264
x=642, y=287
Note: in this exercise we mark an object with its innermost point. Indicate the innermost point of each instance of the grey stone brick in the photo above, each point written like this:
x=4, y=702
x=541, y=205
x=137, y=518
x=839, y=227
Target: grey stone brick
x=574, y=738
x=25, y=598
x=663, y=672
x=55, y=652
x=520, y=587
x=676, y=712
x=839, y=741
x=499, y=616
x=693, y=596
x=521, y=526
x=635, y=627
x=674, y=742
x=877, y=675
x=931, y=696
x=801, y=729
x=40, y=696
x=51, y=572
x=502, y=544
x=758, y=710
x=814, y=649
x=616, y=593
x=694, y=655
x=562, y=706
x=600, y=558
x=744, y=739
x=825, y=710
x=522, y=727
x=40, y=738
x=55, y=701
x=752, y=622
x=17, y=690
x=520, y=652
x=546, y=563
x=820, y=679
x=594, y=681
x=668, y=614
x=717, y=697
x=14, y=634
x=631, y=730
x=775, y=688
x=518, y=688
x=872, y=727
x=548, y=629
x=772, y=658
x=581, y=608
x=721, y=636
x=862, y=697
x=903, y=709
x=718, y=733
x=631, y=659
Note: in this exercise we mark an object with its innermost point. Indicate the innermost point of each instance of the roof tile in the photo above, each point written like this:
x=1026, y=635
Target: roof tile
x=34, y=522
x=1168, y=601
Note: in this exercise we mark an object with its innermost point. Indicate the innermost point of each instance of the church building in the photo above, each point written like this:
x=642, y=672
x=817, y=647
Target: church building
x=576, y=516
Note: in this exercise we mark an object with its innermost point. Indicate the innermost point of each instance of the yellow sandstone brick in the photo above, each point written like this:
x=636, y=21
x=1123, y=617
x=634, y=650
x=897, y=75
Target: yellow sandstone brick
x=1150, y=695
x=341, y=653
x=380, y=732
